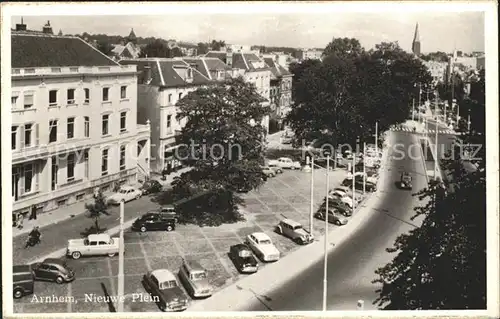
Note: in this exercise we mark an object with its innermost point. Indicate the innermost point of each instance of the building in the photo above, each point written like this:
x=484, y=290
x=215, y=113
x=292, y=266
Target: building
x=480, y=62
x=130, y=50
x=415, y=46
x=309, y=54
x=279, y=57
x=162, y=82
x=253, y=70
x=437, y=69
x=280, y=94
x=74, y=127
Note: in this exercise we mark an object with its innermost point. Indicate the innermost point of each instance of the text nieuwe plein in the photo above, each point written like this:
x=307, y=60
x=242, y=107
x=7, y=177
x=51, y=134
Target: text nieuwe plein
x=135, y=297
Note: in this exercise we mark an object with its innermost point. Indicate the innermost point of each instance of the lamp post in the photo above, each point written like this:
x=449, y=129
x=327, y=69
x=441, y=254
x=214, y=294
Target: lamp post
x=325, y=270
x=436, y=145
x=121, y=277
x=364, y=167
x=376, y=138
x=312, y=195
x=413, y=110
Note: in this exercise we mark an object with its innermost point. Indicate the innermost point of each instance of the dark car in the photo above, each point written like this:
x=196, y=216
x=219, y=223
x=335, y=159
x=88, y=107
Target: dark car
x=243, y=258
x=338, y=205
x=358, y=184
x=154, y=221
x=22, y=280
x=162, y=284
x=150, y=187
x=53, y=269
x=333, y=216
x=405, y=181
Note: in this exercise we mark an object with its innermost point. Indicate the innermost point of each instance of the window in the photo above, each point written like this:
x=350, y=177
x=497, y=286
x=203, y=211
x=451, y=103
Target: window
x=123, y=92
x=104, y=163
x=28, y=128
x=169, y=121
x=170, y=98
x=53, y=131
x=105, y=94
x=189, y=73
x=86, y=126
x=71, y=96
x=70, y=127
x=71, y=167
x=122, y=157
x=123, y=121
x=86, y=163
x=87, y=96
x=28, y=178
x=13, y=100
x=28, y=100
x=53, y=98
x=14, y=137
x=180, y=96
x=105, y=128
x=54, y=170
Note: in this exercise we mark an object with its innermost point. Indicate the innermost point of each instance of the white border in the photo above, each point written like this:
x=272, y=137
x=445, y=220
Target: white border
x=138, y=8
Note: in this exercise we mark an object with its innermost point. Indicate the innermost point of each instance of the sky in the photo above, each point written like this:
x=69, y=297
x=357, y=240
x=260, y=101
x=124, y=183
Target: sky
x=439, y=30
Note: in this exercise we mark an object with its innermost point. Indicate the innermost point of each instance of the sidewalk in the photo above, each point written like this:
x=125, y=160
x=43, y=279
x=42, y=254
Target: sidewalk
x=56, y=216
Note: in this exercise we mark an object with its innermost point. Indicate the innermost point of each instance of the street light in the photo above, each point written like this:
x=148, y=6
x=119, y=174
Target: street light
x=436, y=144
x=121, y=277
x=325, y=270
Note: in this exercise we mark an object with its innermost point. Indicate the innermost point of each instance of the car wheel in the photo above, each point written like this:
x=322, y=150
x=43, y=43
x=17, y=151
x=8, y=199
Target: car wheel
x=18, y=293
x=137, y=197
x=76, y=255
x=170, y=228
x=59, y=280
x=143, y=229
x=338, y=223
x=111, y=254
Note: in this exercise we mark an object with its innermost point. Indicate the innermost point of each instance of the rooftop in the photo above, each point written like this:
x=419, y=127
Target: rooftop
x=163, y=275
x=207, y=64
x=35, y=49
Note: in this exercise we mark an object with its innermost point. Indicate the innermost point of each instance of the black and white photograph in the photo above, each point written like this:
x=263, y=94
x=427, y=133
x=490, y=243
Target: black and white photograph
x=275, y=158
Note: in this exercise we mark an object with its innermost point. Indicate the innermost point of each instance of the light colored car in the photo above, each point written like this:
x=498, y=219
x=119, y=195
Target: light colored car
x=269, y=172
x=295, y=231
x=285, y=162
x=162, y=284
x=195, y=279
x=125, y=194
x=262, y=246
x=97, y=244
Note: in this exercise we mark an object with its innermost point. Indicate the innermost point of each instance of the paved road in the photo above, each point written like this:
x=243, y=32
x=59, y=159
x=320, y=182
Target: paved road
x=352, y=265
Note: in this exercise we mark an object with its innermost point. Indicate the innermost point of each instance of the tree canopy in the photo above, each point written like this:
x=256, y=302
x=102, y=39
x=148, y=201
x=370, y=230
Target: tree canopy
x=217, y=45
x=222, y=142
x=343, y=47
x=105, y=47
x=159, y=49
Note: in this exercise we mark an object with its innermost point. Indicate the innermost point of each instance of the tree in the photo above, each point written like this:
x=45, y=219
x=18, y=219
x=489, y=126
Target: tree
x=442, y=263
x=176, y=52
x=158, y=48
x=97, y=209
x=343, y=47
x=222, y=142
x=217, y=45
x=202, y=48
x=298, y=69
x=105, y=47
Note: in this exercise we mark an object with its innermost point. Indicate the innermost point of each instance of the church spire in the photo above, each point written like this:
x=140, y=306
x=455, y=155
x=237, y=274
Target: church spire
x=415, y=47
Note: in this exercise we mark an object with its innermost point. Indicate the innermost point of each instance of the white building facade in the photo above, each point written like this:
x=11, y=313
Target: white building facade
x=74, y=127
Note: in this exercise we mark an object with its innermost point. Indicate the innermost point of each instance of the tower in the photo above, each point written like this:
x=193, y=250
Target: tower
x=132, y=37
x=415, y=47
x=47, y=28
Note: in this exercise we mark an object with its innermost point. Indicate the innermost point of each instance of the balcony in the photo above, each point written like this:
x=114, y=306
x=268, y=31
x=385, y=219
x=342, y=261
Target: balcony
x=44, y=151
x=81, y=70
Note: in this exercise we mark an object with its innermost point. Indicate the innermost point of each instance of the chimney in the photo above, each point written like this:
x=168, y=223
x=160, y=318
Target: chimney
x=229, y=58
x=21, y=26
x=47, y=28
x=147, y=74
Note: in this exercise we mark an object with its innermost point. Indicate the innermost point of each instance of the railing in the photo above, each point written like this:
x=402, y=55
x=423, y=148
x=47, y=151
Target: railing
x=143, y=128
x=73, y=70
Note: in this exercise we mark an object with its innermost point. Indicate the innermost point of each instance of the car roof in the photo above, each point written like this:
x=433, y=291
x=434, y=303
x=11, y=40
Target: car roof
x=260, y=236
x=193, y=265
x=290, y=222
x=167, y=206
x=97, y=237
x=281, y=158
x=240, y=247
x=126, y=187
x=163, y=275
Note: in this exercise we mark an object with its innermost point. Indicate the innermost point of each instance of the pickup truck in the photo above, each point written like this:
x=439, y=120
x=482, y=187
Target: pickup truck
x=97, y=244
x=285, y=162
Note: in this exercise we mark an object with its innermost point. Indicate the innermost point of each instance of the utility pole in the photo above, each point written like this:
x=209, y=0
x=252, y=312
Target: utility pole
x=419, y=95
x=376, y=138
x=364, y=167
x=121, y=277
x=436, y=144
x=413, y=110
x=325, y=269
x=312, y=196
x=353, y=180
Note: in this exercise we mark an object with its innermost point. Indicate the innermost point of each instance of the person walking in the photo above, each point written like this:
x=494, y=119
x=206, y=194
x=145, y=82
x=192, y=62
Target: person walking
x=20, y=220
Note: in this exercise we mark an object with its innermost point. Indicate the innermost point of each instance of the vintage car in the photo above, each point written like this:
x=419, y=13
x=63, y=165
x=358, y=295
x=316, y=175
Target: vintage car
x=97, y=244
x=243, y=259
x=53, y=269
x=162, y=285
x=339, y=205
x=285, y=162
x=276, y=169
x=333, y=217
x=345, y=197
x=195, y=279
x=269, y=172
x=151, y=186
x=295, y=231
x=22, y=280
x=125, y=194
x=154, y=221
x=405, y=182
x=262, y=246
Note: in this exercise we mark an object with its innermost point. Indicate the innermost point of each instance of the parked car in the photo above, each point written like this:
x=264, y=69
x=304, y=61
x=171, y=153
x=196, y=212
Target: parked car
x=358, y=184
x=150, y=187
x=195, y=279
x=343, y=196
x=285, y=162
x=162, y=284
x=97, y=244
x=406, y=180
x=262, y=246
x=23, y=281
x=53, y=269
x=243, y=259
x=169, y=211
x=338, y=205
x=295, y=231
x=276, y=169
x=333, y=217
x=154, y=221
x=124, y=194
x=268, y=171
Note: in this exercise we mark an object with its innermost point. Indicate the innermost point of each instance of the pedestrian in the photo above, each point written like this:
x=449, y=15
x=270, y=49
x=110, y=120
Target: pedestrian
x=20, y=221
x=33, y=213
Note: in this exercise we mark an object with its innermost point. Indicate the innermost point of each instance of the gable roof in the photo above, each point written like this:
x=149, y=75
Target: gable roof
x=206, y=64
x=164, y=74
x=276, y=69
x=221, y=55
x=30, y=50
